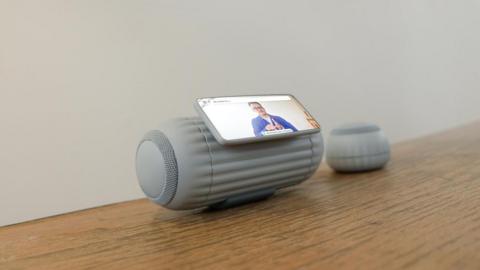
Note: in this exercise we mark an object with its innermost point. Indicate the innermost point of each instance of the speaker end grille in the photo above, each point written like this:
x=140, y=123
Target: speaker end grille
x=156, y=167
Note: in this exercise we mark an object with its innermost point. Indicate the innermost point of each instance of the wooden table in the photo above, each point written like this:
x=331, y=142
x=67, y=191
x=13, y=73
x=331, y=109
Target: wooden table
x=421, y=212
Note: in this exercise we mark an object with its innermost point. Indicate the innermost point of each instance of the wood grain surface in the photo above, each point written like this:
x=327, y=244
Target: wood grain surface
x=421, y=212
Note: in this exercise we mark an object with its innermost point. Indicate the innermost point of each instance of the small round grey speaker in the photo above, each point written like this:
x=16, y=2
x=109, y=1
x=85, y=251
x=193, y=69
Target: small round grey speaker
x=357, y=147
x=180, y=165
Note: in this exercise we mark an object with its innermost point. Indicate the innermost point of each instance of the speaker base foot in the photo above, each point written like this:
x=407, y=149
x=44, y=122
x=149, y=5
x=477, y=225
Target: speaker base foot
x=241, y=199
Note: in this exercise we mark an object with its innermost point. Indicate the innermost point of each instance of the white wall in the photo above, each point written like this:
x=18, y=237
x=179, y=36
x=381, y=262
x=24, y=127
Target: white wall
x=81, y=81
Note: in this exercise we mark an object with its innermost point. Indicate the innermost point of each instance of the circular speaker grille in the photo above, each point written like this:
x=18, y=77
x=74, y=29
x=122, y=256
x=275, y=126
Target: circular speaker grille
x=156, y=167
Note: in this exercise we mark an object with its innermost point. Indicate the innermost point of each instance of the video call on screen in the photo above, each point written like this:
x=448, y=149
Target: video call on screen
x=256, y=116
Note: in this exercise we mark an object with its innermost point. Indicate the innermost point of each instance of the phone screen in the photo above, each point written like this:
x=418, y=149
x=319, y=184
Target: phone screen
x=250, y=117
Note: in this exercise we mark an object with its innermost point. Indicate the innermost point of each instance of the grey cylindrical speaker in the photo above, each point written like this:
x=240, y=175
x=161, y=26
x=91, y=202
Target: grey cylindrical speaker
x=357, y=147
x=182, y=166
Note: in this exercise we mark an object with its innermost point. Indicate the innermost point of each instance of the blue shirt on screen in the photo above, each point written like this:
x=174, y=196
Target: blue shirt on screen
x=259, y=124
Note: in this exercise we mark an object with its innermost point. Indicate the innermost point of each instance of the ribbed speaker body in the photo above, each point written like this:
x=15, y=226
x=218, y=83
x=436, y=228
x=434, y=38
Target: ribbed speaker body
x=182, y=166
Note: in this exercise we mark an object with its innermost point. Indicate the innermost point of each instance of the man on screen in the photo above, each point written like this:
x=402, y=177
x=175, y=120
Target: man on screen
x=265, y=122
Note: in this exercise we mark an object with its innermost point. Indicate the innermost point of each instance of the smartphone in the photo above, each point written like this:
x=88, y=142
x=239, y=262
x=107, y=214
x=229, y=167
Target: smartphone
x=247, y=119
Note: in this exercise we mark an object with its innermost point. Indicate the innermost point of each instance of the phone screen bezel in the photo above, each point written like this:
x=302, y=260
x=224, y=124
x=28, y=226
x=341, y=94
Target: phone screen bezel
x=253, y=139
